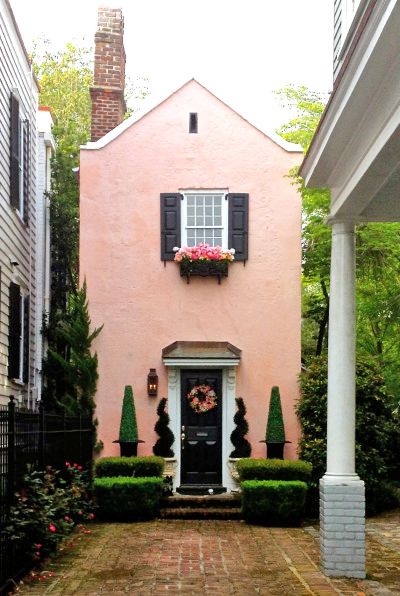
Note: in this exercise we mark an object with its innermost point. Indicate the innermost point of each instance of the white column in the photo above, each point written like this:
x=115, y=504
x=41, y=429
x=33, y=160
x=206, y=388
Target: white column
x=341, y=353
x=342, y=499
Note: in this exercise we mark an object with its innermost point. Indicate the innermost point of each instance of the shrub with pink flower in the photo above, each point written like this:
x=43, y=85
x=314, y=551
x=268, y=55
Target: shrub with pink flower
x=203, y=252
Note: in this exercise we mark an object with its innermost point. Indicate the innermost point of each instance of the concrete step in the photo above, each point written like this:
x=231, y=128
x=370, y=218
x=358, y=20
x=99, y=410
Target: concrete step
x=226, y=500
x=201, y=513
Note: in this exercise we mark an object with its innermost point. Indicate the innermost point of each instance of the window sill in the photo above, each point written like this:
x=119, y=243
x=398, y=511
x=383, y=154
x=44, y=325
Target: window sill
x=18, y=382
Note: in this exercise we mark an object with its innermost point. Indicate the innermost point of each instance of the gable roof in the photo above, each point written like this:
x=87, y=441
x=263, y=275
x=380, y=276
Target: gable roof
x=152, y=104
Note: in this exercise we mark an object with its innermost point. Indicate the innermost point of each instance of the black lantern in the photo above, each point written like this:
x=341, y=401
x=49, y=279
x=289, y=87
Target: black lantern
x=152, y=382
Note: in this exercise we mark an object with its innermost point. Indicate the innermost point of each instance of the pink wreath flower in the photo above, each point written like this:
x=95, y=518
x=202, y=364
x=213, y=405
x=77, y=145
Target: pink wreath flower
x=202, y=398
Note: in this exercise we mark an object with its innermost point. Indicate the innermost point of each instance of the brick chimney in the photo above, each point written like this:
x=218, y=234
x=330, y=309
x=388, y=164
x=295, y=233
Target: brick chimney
x=107, y=93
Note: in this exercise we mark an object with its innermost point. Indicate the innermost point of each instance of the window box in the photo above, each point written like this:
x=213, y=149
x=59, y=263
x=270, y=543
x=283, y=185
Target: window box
x=201, y=268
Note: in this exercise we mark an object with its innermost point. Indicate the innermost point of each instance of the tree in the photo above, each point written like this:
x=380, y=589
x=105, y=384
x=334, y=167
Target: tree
x=240, y=443
x=377, y=253
x=275, y=432
x=166, y=436
x=128, y=432
x=72, y=378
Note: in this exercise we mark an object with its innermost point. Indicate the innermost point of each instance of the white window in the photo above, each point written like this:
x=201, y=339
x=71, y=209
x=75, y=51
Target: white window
x=204, y=218
x=349, y=11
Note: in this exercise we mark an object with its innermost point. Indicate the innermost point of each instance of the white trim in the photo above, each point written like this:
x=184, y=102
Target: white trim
x=224, y=214
x=228, y=412
x=151, y=103
x=201, y=362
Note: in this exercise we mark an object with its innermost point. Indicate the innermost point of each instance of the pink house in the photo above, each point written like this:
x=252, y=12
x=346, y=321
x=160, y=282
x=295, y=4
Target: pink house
x=189, y=170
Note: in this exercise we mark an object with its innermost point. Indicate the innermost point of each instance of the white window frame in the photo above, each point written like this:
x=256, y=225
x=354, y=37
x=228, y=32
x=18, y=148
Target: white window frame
x=349, y=9
x=22, y=336
x=224, y=213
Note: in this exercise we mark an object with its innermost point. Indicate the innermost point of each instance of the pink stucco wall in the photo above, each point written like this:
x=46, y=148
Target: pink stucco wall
x=145, y=306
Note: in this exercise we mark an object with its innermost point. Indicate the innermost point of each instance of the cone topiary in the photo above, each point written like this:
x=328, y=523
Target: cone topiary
x=275, y=428
x=165, y=442
x=128, y=432
x=242, y=446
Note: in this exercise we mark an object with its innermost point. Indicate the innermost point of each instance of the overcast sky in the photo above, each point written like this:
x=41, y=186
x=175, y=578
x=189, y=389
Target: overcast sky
x=242, y=50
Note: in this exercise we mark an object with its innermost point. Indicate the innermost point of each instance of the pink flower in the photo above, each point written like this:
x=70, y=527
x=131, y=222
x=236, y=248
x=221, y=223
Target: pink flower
x=91, y=515
x=52, y=528
x=67, y=464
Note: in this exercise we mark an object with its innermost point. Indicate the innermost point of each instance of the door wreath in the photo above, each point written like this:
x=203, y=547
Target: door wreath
x=202, y=398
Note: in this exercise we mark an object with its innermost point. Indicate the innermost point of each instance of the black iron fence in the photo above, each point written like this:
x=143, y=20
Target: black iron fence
x=32, y=441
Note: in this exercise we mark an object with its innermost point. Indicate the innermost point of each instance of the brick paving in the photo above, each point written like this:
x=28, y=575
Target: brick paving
x=213, y=557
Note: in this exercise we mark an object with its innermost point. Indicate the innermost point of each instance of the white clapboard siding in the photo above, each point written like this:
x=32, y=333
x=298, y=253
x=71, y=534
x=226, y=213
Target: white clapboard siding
x=16, y=239
x=337, y=35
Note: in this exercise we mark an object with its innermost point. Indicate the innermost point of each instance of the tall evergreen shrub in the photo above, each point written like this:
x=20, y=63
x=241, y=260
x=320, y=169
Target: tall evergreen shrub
x=275, y=427
x=241, y=444
x=166, y=436
x=128, y=432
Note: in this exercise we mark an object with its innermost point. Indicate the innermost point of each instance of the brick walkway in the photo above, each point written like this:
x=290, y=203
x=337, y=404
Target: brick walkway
x=213, y=557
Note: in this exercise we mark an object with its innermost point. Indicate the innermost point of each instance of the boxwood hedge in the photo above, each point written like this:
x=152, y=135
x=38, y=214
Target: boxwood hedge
x=273, y=502
x=129, y=466
x=126, y=498
x=273, y=469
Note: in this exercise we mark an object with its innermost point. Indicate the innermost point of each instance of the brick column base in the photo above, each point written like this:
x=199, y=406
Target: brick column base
x=342, y=516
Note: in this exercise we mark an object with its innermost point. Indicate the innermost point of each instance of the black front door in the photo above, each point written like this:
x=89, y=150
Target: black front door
x=201, y=446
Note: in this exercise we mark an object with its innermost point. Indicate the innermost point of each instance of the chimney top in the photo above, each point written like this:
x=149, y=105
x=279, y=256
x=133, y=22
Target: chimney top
x=107, y=93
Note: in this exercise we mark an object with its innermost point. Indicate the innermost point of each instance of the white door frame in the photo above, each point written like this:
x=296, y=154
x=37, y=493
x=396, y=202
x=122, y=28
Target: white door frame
x=228, y=410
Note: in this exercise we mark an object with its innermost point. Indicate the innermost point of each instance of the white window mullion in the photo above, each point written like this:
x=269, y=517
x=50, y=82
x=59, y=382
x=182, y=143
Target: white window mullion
x=21, y=338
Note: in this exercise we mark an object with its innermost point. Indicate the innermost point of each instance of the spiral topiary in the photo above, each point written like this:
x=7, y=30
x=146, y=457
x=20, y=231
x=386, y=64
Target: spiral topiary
x=165, y=442
x=242, y=446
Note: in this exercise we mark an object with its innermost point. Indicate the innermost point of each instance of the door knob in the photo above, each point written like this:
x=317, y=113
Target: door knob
x=183, y=437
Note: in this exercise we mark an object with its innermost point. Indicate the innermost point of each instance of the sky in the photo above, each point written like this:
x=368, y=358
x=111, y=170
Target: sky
x=242, y=50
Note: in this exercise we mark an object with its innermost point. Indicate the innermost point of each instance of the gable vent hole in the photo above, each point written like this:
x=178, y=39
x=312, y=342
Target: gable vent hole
x=193, y=122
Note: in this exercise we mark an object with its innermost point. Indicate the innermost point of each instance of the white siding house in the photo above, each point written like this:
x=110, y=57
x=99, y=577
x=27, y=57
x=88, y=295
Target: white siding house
x=355, y=153
x=19, y=198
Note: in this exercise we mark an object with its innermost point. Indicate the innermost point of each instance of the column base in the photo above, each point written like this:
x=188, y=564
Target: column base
x=342, y=527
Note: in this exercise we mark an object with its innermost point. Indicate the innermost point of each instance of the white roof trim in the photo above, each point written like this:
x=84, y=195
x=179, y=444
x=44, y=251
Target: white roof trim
x=201, y=362
x=152, y=103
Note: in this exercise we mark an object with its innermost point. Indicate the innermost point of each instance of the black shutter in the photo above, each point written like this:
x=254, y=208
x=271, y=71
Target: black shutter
x=170, y=224
x=238, y=221
x=14, y=331
x=14, y=152
x=27, y=163
x=25, y=364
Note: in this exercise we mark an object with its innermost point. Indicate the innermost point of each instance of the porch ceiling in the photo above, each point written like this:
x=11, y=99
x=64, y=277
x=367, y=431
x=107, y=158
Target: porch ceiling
x=356, y=150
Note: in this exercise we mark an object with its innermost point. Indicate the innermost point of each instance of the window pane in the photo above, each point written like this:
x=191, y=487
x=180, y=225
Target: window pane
x=199, y=200
x=208, y=221
x=190, y=210
x=208, y=210
x=190, y=221
x=217, y=210
x=190, y=201
x=217, y=201
x=209, y=200
x=199, y=210
x=218, y=221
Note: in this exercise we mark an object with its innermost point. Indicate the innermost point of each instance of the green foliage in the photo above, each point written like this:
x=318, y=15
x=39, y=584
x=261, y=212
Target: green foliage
x=166, y=436
x=273, y=502
x=240, y=443
x=126, y=498
x=377, y=254
x=375, y=425
x=48, y=506
x=128, y=428
x=149, y=465
x=72, y=376
x=275, y=428
x=273, y=469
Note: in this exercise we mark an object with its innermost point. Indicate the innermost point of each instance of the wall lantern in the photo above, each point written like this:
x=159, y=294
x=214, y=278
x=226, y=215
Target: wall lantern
x=152, y=382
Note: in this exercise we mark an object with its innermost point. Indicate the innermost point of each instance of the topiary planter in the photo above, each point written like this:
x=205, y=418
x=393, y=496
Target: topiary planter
x=128, y=448
x=275, y=450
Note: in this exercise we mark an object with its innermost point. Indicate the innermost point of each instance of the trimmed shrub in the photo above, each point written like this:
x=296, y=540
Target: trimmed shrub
x=274, y=469
x=275, y=432
x=142, y=467
x=375, y=425
x=242, y=446
x=273, y=502
x=125, y=498
x=166, y=440
x=128, y=432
